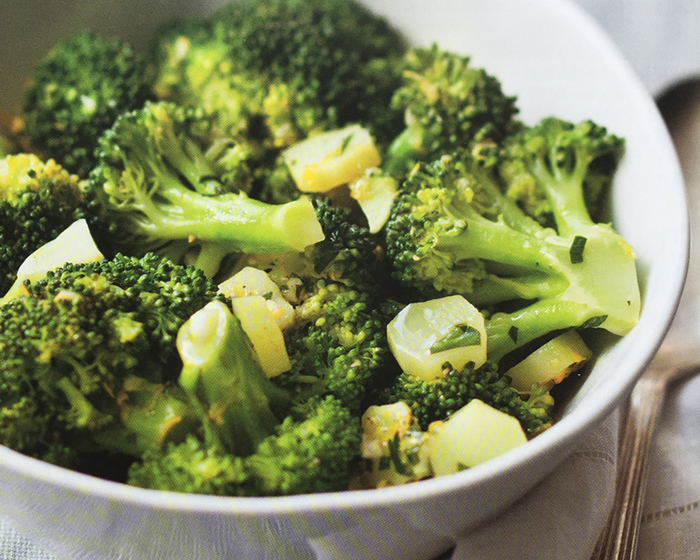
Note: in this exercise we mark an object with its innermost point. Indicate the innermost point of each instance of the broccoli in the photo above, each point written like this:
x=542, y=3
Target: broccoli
x=38, y=200
x=292, y=67
x=252, y=442
x=76, y=92
x=453, y=231
x=156, y=190
x=272, y=72
x=448, y=105
x=238, y=404
x=560, y=156
x=312, y=450
x=337, y=344
x=439, y=398
x=88, y=359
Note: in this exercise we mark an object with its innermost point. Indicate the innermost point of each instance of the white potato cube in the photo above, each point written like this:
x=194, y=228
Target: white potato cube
x=474, y=434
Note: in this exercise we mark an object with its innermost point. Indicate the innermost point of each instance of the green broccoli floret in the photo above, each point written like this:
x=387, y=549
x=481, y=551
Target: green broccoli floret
x=156, y=190
x=448, y=104
x=348, y=253
x=283, y=66
x=272, y=72
x=338, y=346
x=313, y=450
x=76, y=92
x=88, y=359
x=38, y=200
x=191, y=467
x=252, y=442
x=452, y=231
x=439, y=398
x=574, y=162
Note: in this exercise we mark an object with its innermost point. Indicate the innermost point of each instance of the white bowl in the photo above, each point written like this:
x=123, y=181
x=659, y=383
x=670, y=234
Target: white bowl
x=558, y=62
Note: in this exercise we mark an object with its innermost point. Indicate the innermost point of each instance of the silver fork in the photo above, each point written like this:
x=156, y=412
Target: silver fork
x=673, y=362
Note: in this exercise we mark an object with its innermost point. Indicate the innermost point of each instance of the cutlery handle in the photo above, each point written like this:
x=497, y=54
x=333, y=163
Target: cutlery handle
x=618, y=540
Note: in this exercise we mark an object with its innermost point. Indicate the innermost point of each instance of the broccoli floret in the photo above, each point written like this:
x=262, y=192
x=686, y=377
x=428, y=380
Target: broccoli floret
x=448, y=104
x=452, y=231
x=88, y=359
x=191, y=467
x=38, y=200
x=348, y=253
x=272, y=72
x=313, y=450
x=252, y=442
x=171, y=292
x=76, y=92
x=156, y=190
x=439, y=398
x=573, y=162
x=338, y=346
x=289, y=67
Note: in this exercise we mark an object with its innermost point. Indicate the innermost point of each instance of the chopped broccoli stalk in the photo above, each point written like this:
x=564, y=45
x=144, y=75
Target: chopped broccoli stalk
x=140, y=202
x=448, y=104
x=453, y=231
x=476, y=433
x=76, y=92
x=552, y=362
x=225, y=382
x=393, y=447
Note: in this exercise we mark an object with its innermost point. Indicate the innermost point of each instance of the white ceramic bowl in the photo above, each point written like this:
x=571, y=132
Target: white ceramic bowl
x=558, y=62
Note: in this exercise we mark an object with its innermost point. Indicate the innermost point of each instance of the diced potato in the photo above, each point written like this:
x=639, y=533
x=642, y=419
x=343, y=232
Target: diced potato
x=553, y=361
x=251, y=281
x=264, y=333
x=330, y=159
x=73, y=245
x=393, y=445
x=425, y=335
x=381, y=423
x=375, y=194
x=474, y=434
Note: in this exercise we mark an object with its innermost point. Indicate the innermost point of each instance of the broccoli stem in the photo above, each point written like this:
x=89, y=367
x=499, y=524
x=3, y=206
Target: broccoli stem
x=508, y=331
x=481, y=238
x=403, y=151
x=146, y=415
x=224, y=381
x=243, y=223
x=565, y=191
